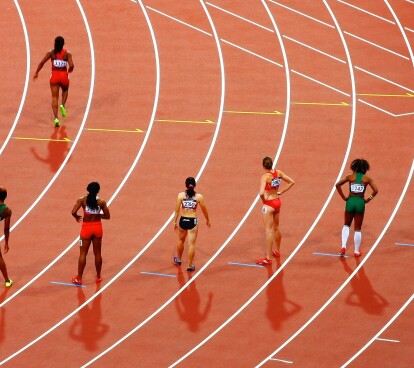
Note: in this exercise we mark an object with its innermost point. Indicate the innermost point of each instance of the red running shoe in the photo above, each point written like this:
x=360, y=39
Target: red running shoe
x=357, y=254
x=342, y=252
x=98, y=280
x=76, y=280
x=275, y=254
x=264, y=261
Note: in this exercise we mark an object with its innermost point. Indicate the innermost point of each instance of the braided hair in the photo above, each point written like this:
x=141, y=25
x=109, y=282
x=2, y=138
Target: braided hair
x=93, y=190
x=360, y=166
x=190, y=184
x=59, y=42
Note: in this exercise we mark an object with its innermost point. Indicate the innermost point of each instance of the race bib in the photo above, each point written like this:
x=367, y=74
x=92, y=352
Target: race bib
x=275, y=183
x=189, y=204
x=357, y=188
x=59, y=63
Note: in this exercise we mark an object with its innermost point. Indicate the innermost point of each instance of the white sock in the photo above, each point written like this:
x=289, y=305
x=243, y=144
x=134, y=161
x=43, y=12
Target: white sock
x=345, y=235
x=357, y=240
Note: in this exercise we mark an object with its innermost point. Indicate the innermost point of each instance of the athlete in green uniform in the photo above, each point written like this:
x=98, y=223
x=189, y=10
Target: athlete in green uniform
x=355, y=202
x=5, y=214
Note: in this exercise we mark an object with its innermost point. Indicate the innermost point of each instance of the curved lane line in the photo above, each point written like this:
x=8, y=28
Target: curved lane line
x=353, y=273
x=26, y=82
x=402, y=31
x=391, y=321
x=263, y=287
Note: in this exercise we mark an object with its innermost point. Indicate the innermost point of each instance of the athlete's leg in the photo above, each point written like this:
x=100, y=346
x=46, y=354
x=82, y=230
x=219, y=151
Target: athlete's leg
x=181, y=239
x=359, y=219
x=55, y=98
x=65, y=91
x=276, y=230
x=267, y=216
x=192, y=237
x=97, y=245
x=83, y=249
x=3, y=269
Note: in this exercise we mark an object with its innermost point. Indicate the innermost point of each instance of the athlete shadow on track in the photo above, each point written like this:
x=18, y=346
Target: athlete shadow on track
x=88, y=328
x=188, y=304
x=3, y=315
x=57, y=149
x=279, y=307
x=363, y=294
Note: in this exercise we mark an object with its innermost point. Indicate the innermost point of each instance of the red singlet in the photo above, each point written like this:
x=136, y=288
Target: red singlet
x=274, y=185
x=60, y=69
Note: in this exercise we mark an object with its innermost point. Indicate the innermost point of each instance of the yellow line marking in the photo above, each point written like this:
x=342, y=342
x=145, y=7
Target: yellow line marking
x=43, y=139
x=385, y=95
x=115, y=130
x=187, y=121
x=255, y=112
x=321, y=103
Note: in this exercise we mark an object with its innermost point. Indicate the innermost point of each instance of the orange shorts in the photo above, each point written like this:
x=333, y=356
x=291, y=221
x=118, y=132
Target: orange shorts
x=91, y=229
x=60, y=77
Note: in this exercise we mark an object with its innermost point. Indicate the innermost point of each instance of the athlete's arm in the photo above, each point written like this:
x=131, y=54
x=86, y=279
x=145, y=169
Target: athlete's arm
x=70, y=62
x=177, y=210
x=263, y=181
x=374, y=190
x=6, y=229
x=40, y=66
x=75, y=210
x=288, y=180
x=104, y=207
x=204, y=209
x=339, y=184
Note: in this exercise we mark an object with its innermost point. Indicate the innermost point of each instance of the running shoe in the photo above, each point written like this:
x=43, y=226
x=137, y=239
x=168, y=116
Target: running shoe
x=76, y=280
x=342, y=252
x=98, y=280
x=264, y=261
x=357, y=254
x=191, y=269
x=177, y=261
x=56, y=122
x=275, y=254
x=9, y=283
x=63, y=111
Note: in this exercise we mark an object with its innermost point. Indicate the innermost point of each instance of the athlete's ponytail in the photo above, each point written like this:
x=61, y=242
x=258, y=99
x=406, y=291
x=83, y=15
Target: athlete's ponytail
x=190, y=184
x=93, y=190
x=59, y=42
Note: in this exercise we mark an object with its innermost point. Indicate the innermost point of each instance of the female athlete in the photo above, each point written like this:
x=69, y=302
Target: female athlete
x=59, y=78
x=355, y=202
x=94, y=209
x=269, y=194
x=5, y=214
x=186, y=206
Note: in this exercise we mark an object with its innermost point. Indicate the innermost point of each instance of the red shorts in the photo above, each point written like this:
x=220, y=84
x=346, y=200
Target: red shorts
x=60, y=77
x=274, y=203
x=91, y=229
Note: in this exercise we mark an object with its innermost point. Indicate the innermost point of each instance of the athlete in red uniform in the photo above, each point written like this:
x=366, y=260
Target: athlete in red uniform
x=5, y=214
x=94, y=209
x=269, y=194
x=59, y=78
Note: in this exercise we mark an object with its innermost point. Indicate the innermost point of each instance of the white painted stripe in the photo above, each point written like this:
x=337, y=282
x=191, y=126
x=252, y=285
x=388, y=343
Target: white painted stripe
x=240, y=17
x=252, y=53
x=26, y=82
x=179, y=21
x=376, y=107
x=245, y=264
x=319, y=82
x=407, y=244
x=409, y=29
x=387, y=340
x=66, y=284
x=390, y=322
x=302, y=14
x=376, y=45
x=158, y=274
x=282, y=361
x=366, y=12
x=410, y=1
x=330, y=254
x=314, y=49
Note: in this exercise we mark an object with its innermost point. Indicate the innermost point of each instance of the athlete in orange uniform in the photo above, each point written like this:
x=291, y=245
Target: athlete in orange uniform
x=94, y=209
x=269, y=194
x=59, y=78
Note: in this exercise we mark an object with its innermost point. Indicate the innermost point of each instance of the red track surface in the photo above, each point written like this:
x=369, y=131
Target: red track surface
x=229, y=64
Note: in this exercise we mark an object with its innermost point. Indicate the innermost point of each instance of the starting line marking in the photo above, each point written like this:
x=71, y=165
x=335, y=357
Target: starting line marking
x=281, y=360
x=405, y=244
x=66, y=284
x=245, y=264
x=158, y=274
x=330, y=254
x=387, y=340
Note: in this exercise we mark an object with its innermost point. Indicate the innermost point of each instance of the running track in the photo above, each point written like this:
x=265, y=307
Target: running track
x=164, y=90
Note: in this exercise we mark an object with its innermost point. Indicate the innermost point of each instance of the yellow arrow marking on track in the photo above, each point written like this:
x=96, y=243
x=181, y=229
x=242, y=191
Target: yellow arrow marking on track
x=321, y=103
x=43, y=139
x=385, y=95
x=115, y=130
x=255, y=112
x=187, y=121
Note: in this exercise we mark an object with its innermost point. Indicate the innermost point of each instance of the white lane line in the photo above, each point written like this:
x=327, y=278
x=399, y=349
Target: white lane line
x=302, y=14
x=390, y=322
x=314, y=49
x=378, y=46
x=282, y=361
x=26, y=82
x=179, y=21
x=400, y=27
x=348, y=280
x=169, y=301
x=387, y=340
x=385, y=111
x=409, y=29
x=333, y=190
x=405, y=244
x=319, y=82
x=252, y=53
x=410, y=1
x=365, y=11
x=240, y=17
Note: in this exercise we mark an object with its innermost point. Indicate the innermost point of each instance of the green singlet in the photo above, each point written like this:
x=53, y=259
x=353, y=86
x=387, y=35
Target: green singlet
x=356, y=203
x=2, y=207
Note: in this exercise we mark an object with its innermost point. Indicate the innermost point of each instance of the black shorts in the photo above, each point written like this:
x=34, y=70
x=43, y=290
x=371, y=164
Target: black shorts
x=188, y=223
